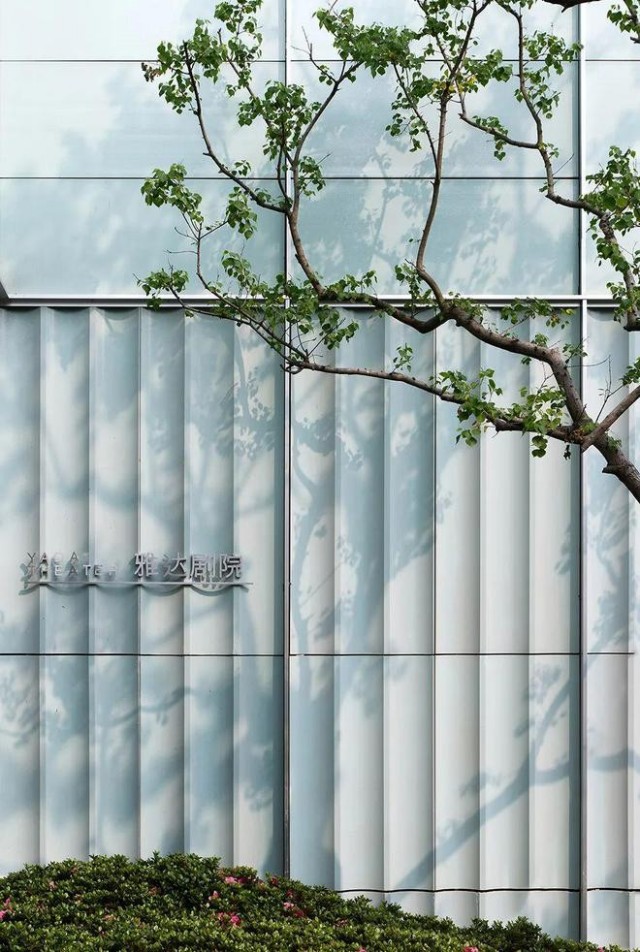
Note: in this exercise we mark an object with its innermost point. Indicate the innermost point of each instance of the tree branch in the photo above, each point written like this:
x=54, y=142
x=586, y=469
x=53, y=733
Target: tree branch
x=605, y=425
x=210, y=151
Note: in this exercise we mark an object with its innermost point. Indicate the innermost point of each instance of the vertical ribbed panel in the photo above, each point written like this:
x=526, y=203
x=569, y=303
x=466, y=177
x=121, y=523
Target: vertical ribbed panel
x=611, y=680
x=113, y=677
x=633, y=762
x=64, y=616
x=362, y=588
x=132, y=719
x=457, y=517
x=20, y=618
x=209, y=702
x=435, y=759
x=161, y=531
x=409, y=499
x=436, y=675
x=457, y=641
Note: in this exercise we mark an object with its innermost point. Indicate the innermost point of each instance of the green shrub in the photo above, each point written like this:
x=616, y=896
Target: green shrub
x=186, y=903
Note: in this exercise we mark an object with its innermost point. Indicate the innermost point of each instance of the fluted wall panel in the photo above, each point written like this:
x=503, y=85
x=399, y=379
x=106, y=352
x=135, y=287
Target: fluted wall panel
x=133, y=718
x=435, y=674
x=439, y=750
x=434, y=669
x=611, y=672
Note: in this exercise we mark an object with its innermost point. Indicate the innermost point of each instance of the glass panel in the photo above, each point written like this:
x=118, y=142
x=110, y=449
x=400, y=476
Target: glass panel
x=603, y=40
x=305, y=29
x=490, y=236
x=351, y=140
x=74, y=29
x=607, y=111
x=95, y=237
x=495, y=28
x=103, y=119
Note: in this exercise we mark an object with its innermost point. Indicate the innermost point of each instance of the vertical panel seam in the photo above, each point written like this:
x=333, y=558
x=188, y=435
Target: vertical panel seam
x=42, y=595
x=286, y=541
x=434, y=669
x=91, y=594
x=138, y=592
x=187, y=698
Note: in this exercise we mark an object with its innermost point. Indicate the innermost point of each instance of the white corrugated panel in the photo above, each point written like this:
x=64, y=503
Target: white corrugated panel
x=610, y=548
x=435, y=686
x=435, y=694
x=137, y=719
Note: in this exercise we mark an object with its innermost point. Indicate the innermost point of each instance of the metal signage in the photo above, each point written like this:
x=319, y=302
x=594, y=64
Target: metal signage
x=204, y=573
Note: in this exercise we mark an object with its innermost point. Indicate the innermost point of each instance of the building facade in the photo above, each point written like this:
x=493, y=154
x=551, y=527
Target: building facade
x=291, y=622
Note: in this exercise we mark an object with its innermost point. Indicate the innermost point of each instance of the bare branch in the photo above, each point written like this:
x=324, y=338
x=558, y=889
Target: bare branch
x=605, y=425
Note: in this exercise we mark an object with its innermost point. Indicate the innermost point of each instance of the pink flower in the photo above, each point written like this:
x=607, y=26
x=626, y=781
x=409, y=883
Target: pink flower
x=232, y=880
x=294, y=910
x=470, y=948
x=3, y=913
x=234, y=919
x=214, y=895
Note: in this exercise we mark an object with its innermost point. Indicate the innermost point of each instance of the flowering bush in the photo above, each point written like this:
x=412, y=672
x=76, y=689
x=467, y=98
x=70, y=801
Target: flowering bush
x=181, y=903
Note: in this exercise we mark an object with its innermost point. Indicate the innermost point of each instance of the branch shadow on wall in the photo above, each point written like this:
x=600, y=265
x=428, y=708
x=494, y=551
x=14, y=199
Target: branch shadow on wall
x=98, y=711
x=133, y=721
x=515, y=824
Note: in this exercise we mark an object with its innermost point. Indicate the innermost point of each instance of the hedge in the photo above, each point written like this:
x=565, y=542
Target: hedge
x=186, y=902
